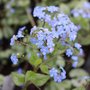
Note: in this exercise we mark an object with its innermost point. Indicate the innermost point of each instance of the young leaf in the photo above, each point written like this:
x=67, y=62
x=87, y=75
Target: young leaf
x=80, y=88
x=37, y=79
x=34, y=59
x=65, y=85
x=19, y=79
x=44, y=69
x=78, y=73
x=81, y=62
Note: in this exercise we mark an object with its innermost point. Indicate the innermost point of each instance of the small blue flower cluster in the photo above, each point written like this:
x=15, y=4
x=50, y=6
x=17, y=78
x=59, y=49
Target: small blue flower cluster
x=70, y=53
x=19, y=71
x=39, y=12
x=44, y=40
x=61, y=28
x=58, y=77
x=19, y=35
x=84, y=11
x=14, y=58
x=75, y=58
x=12, y=41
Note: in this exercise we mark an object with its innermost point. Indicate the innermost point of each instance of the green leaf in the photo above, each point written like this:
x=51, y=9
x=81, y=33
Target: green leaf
x=44, y=68
x=1, y=79
x=80, y=88
x=80, y=61
x=19, y=79
x=84, y=39
x=64, y=85
x=51, y=63
x=77, y=82
x=35, y=78
x=34, y=59
x=78, y=73
x=38, y=62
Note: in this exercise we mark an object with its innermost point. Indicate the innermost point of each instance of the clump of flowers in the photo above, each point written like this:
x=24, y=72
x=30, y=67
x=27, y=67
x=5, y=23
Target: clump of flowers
x=61, y=28
x=56, y=27
x=83, y=11
x=58, y=77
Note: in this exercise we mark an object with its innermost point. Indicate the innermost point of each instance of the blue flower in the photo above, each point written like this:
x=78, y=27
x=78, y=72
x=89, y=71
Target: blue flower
x=19, y=35
x=52, y=9
x=41, y=35
x=33, y=40
x=45, y=57
x=33, y=29
x=81, y=52
x=63, y=75
x=55, y=33
x=20, y=32
x=14, y=59
x=72, y=35
x=50, y=42
x=78, y=46
x=75, y=58
x=47, y=18
x=22, y=28
x=38, y=12
x=58, y=77
x=44, y=50
x=53, y=72
x=69, y=52
x=75, y=61
x=19, y=71
x=75, y=64
x=12, y=41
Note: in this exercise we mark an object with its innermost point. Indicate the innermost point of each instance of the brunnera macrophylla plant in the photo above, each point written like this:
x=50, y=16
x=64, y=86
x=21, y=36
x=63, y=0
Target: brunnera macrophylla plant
x=56, y=33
